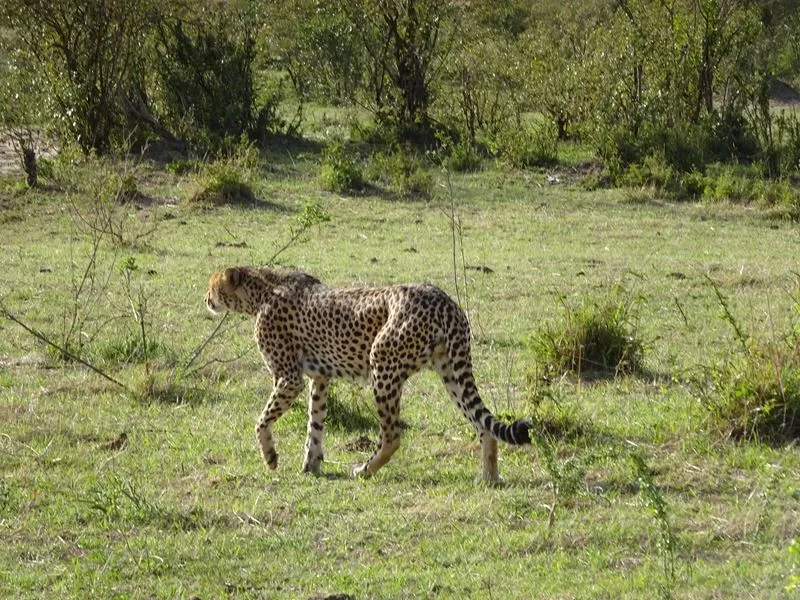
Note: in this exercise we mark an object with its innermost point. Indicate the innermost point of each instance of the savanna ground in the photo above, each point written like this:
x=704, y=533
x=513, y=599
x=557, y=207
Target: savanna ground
x=161, y=492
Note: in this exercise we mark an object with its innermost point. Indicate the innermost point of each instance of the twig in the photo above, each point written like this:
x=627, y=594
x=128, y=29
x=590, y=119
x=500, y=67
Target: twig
x=683, y=313
x=295, y=236
x=740, y=335
x=202, y=346
x=41, y=337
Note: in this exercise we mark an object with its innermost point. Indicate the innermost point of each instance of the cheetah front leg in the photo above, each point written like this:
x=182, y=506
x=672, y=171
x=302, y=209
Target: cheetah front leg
x=284, y=392
x=317, y=410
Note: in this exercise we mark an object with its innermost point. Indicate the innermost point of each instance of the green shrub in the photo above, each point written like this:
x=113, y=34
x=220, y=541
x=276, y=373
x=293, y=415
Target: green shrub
x=207, y=90
x=788, y=127
x=663, y=155
x=181, y=166
x=693, y=184
x=726, y=184
x=598, y=337
x=463, y=157
x=340, y=171
x=166, y=386
x=403, y=171
x=753, y=393
x=654, y=171
x=531, y=145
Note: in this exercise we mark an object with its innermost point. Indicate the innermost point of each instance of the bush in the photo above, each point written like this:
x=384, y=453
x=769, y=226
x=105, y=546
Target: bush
x=597, y=337
x=83, y=53
x=788, y=127
x=402, y=170
x=753, y=394
x=463, y=157
x=723, y=183
x=534, y=145
x=340, y=171
x=207, y=91
x=679, y=149
x=181, y=166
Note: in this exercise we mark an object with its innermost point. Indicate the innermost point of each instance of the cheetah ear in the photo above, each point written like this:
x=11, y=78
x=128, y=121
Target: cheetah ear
x=232, y=277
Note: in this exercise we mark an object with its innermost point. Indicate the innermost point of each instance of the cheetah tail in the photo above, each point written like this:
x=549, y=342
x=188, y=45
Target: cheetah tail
x=517, y=433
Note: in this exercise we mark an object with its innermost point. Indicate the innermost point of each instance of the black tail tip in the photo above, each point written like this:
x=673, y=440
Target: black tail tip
x=520, y=433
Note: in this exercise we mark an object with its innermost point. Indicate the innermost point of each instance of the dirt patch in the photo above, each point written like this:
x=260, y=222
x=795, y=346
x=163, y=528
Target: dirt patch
x=29, y=360
x=117, y=443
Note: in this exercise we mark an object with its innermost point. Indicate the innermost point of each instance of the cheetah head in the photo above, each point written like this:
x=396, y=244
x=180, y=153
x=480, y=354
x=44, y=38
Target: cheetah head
x=222, y=291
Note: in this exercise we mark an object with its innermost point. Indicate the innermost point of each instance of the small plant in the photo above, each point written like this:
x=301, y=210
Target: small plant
x=9, y=502
x=350, y=414
x=753, y=394
x=654, y=500
x=567, y=476
x=105, y=215
x=119, y=500
x=598, y=337
x=312, y=215
x=794, y=576
x=340, y=171
x=128, y=349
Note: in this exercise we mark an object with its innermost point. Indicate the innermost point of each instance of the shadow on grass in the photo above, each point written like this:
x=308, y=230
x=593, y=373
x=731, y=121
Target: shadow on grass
x=283, y=152
x=349, y=416
x=160, y=390
x=565, y=428
x=233, y=193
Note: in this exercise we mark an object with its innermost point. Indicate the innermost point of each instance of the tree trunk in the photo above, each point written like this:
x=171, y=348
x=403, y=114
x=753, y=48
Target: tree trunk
x=705, y=79
x=29, y=165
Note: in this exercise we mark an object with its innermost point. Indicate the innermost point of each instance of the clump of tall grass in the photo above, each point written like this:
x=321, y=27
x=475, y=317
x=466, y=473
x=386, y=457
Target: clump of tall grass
x=597, y=337
x=227, y=180
x=753, y=393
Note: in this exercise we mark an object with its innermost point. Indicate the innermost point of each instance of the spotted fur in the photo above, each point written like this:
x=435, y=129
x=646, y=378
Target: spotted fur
x=380, y=335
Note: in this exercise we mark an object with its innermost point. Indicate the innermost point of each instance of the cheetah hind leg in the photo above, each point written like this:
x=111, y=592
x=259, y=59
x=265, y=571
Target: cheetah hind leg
x=489, y=475
x=388, y=401
x=489, y=472
x=317, y=411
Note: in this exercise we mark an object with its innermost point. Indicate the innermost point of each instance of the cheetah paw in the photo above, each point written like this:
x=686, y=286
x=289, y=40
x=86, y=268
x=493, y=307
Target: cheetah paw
x=271, y=459
x=312, y=467
x=360, y=472
x=489, y=480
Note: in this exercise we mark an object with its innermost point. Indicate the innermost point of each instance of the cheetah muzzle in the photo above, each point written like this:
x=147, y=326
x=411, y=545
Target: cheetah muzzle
x=380, y=335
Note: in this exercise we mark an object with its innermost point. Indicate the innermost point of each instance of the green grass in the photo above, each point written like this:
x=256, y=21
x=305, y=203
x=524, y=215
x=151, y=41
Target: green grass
x=182, y=505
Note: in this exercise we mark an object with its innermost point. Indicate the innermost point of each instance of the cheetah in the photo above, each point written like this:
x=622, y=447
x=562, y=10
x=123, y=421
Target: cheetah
x=379, y=335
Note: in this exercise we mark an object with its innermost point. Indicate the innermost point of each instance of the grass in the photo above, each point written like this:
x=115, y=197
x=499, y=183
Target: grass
x=753, y=393
x=181, y=504
x=597, y=337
